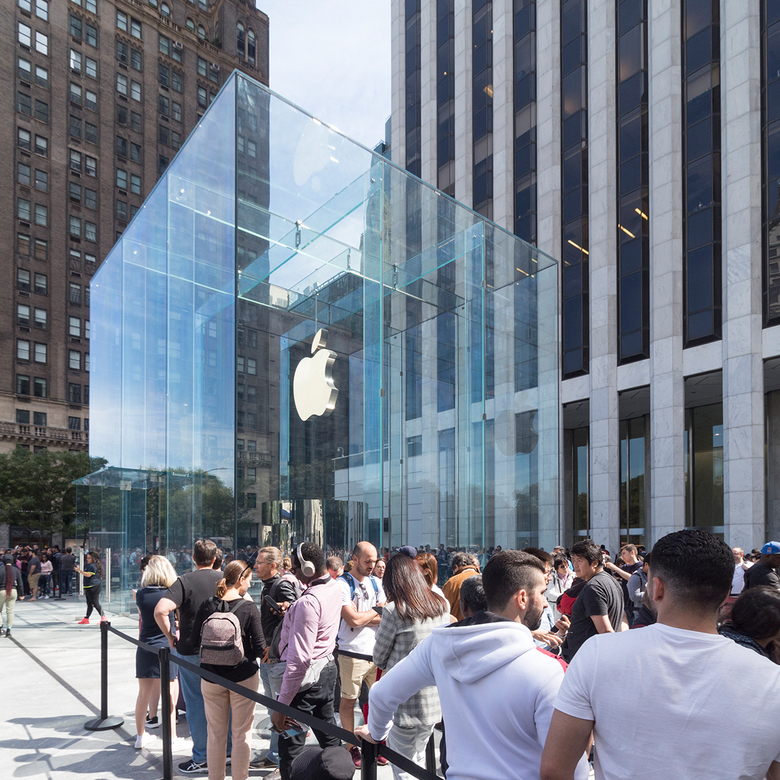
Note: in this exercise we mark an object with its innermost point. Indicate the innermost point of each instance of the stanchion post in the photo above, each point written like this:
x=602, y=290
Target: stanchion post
x=103, y=723
x=164, y=656
x=368, y=755
x=430, y=754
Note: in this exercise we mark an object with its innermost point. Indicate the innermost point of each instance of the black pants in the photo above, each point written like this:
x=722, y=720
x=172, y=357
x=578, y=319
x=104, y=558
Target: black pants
x=317, y=700
x=92, y=595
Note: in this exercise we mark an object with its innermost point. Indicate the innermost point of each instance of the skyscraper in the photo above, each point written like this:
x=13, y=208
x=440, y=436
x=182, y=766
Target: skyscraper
x=637, y=143
x=99, y=96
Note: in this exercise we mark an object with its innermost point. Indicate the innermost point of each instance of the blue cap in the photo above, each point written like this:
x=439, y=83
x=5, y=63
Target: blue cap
x=771, y=548
x=411, y=552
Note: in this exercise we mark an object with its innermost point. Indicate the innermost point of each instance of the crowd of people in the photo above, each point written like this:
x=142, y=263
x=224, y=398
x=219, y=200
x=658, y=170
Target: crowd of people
x=513, y=655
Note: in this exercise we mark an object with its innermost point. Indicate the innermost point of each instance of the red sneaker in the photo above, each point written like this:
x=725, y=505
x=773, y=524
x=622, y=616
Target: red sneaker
x=82, y=622
x=381, y=761
x=103, y=619
x=356, y=757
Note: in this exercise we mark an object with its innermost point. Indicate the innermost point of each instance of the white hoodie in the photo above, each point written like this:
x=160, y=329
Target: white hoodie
x=497, y=694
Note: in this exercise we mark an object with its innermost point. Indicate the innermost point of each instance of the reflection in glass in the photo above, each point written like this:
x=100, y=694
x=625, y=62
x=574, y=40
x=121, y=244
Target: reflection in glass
x=633, y=495
x=704, y=467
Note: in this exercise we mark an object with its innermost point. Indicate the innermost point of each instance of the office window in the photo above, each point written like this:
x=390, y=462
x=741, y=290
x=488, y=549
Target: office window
x=75, y=126
x=74, y=393
x=41, y=146
x=22, y=384
x=163, y=74
x=203, y=98
x=22, y=349
x=135, y=184
x=121, y=210
x=24, y=35
x=23, y=138
x=74, y=423
x=42, y=111
x=40, y=353
x=121, y=146
x=90, y=166
x=23, y=209
x=135, y=121
x=121, y=20
x=90, y=231
x=39, y=418
x=74, y=360
x=75, y=26
x=135, y=28
x=163, y=105
x=251, y=48
x=41, y=215
x=24, y=103
x=74, y=327
x=42, y=9
x=41, y=180
x=41, y=318
x=23, y=174
x=90, y=67
x=90, y=198
x=41, y=76
x=176, y=111
x=23, y=244
x=90, y=34
x=176, y=82
x=90, y=132
x=121, y=84
x=135, y=152
x=163, y=134
x=135, y=90
x=22, y=314
x=22, y=279
x=23, y=416
x=74, y=193
x=42, y=43
x=41, y=284
x=121, y=179
x=136, y=59
x=74, y=223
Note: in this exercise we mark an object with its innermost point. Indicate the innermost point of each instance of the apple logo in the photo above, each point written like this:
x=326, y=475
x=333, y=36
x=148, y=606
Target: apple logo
x=314, y=390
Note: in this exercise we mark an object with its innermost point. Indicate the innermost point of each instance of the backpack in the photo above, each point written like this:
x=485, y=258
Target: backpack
x=221, y=643
x=351, y=580
x=273, y=645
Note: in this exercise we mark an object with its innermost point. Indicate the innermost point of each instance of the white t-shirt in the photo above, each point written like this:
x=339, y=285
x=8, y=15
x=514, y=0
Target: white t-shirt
x=359, y=640
x=690, y=717
x=738, y=581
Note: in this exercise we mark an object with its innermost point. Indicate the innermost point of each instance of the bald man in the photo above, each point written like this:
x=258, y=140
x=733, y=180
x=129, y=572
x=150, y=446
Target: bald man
x=360, y=593
x=740, y=567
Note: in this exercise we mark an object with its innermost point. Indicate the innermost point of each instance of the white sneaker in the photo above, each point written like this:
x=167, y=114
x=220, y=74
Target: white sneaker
x=143, y=740
x=181, y=745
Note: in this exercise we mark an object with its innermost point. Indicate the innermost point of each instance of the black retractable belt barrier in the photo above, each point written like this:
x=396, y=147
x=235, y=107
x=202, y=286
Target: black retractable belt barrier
x=164, y=655
x=369, y=750
x=103, y=723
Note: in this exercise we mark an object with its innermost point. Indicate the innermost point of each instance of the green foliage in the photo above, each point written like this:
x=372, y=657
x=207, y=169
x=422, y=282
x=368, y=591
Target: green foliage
x=35, y=489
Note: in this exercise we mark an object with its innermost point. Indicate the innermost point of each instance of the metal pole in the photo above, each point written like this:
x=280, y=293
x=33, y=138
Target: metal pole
x=368, y=755
x=164, y=655
x=108, y=574
x=104, y=723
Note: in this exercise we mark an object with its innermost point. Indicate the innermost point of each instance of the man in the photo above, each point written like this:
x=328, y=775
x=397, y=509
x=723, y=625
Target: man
x=268, y=568
x=472, y=597
x=186, y=595
x=360, y=593
x=308, y=639
x=335, y=566
x=67, y=567
x=34, y=574
x=464, y=565
x=599, y=607
x=631, y=564
x=496, y=689
x=740, y=567
x=689, y=682
x=765, y=571
x=545, y=636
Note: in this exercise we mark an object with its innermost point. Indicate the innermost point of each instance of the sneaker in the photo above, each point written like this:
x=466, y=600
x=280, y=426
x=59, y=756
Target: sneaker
x=264, y=763
x=82, y=622
x=181, y=745
x=2, y=632
x=152, y=723
x=193, y=768
x=47, y=597
x=356, y=757
x=381, y=761
x=8, y=633
x=142, y=740
x=103, y=619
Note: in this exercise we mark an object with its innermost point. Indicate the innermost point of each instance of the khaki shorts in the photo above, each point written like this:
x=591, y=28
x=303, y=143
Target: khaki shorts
x=353, y=672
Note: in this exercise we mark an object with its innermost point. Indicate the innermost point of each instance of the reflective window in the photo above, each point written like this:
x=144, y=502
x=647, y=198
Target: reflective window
x=482, y=98
x=770, y=179
x=413, y=87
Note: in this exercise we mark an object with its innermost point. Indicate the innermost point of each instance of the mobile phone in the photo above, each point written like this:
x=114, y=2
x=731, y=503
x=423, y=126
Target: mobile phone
x=378, y=610
x=271, y=603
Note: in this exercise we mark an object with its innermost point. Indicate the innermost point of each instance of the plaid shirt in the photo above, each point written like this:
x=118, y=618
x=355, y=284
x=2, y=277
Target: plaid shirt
x=395, y=639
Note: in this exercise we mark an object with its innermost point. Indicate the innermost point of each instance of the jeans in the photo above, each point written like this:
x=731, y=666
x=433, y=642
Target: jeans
x=317, y=700
x=66, y=582
x=270, y=689
x=196, y=713
x=43, y=584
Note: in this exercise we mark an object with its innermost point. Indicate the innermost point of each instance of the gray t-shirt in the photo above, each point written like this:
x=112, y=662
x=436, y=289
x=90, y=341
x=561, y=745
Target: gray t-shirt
x=67, y=562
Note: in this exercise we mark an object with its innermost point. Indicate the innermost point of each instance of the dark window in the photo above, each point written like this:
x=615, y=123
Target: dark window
x=74, y=393
x=23, y=416
x=24, y=103
x=22, y=384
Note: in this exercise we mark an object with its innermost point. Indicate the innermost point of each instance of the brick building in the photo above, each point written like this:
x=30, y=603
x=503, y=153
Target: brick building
x=99, y=95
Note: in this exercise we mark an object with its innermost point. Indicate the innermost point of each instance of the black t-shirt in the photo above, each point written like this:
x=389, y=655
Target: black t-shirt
x=284, y=591
x=761, y=574
x=251, y=636
x=67, y=562
x=94, y=580
x=600, y=596
x=188, y=593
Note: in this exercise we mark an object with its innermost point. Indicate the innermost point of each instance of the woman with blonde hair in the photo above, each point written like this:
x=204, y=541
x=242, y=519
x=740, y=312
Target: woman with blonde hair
x=158, y=576
x=220, y=704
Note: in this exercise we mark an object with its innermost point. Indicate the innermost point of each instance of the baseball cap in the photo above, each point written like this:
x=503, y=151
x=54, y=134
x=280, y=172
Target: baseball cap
x=771, y=548
x=408, y=550
x=314, y=763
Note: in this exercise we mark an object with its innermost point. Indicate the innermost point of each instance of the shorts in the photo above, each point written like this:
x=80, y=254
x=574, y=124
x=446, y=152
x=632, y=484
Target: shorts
x=354, y=672
x=147, y=665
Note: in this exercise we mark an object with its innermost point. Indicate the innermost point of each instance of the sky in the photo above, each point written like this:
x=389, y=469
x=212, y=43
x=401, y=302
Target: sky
x=332, y=58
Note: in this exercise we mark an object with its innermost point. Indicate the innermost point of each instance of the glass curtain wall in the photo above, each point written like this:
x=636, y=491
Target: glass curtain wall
x=770, y=113
x=281, y=354
x=704, y=468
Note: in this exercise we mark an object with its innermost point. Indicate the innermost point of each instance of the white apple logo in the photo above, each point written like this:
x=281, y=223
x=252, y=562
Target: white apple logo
x=314, y=390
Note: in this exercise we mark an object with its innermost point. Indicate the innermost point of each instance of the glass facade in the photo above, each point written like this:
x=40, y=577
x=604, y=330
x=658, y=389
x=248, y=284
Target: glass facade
x=445, y=96
x=633, y=238
x=701, y=172
x=770, y=179
x=482, y=95
x=279, y=353
x=413, y=88
x=574, y=152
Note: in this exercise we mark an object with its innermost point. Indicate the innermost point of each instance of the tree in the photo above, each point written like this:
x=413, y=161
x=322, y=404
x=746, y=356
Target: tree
x=36, y=491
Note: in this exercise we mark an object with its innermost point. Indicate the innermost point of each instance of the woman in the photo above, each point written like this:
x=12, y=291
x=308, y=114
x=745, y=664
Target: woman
x=379, y=568
x=755, y=622
x=561, y=580
x=412, y=612
x=43, y=582
x=157, y=577
x=221, y=704
x=93, y=581
x=430, y=570
x=11, y=588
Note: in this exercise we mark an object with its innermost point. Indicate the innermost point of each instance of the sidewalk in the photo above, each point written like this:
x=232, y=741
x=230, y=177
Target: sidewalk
x=51, y=682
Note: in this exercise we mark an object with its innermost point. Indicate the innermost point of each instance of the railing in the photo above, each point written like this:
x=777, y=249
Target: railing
x=369, y=751
x=42, y=432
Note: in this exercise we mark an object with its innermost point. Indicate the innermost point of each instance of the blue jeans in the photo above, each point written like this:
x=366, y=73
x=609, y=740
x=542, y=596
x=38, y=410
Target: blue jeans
x=66, y=581
x=268, y=690
x=196, y=714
